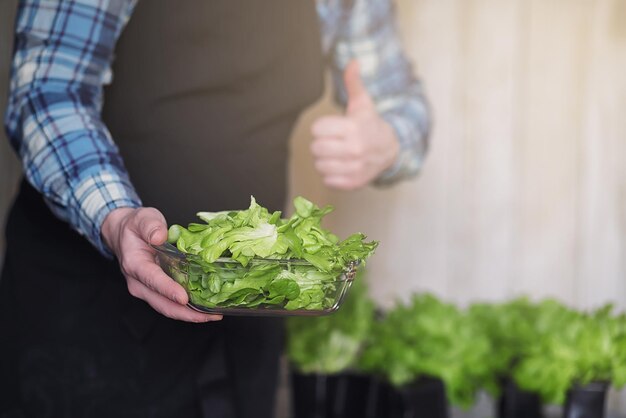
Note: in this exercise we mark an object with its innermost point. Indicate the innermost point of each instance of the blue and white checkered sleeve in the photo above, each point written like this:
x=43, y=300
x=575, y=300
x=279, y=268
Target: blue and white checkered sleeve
x=369, y=34
x=62, y=56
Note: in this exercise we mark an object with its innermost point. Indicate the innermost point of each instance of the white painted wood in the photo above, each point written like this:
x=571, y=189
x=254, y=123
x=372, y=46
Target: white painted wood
x=524, y=188
x=602, y=200
x=550, y=151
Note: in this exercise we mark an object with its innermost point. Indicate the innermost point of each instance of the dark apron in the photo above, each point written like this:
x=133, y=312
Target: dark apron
x=204, y=98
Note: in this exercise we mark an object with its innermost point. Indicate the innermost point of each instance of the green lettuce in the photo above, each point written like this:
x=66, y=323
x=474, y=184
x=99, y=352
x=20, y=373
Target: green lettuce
x=254, y=258
x=573, y=348
x=514, y=327
x=332, y=344
x=430, y=338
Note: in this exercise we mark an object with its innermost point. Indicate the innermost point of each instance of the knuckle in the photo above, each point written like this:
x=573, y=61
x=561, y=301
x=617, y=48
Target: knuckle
x=168, y=312
x=127, y=267
x=359, y=166
x=197, y=319
x=152, y=213
x=134, y=289
x=357, y=149
x=149, y=282
x=352, y=127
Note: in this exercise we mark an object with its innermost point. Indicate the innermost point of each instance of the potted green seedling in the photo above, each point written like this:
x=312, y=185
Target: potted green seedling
x=576, y=363
x=323, y=352
x=511, y=328
x=431, y=354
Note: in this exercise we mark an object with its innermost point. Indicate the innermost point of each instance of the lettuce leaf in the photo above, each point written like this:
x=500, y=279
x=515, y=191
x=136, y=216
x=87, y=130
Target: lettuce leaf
x=255, y=234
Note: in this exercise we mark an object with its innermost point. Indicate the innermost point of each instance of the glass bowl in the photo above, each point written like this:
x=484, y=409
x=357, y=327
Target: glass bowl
x=264, y=287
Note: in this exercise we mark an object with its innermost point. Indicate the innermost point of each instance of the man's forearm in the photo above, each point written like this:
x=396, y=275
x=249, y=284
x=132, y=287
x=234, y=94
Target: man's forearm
x=62, y=58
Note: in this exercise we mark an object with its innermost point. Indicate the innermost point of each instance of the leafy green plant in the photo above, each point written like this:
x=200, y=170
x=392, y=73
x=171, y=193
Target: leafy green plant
x=514, y=327
x=574, y=348
x=315, y=257
x=332, y=344
x=430, y=338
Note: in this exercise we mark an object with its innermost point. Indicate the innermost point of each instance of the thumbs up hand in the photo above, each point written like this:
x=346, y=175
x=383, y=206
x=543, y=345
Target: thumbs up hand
x=353, y=149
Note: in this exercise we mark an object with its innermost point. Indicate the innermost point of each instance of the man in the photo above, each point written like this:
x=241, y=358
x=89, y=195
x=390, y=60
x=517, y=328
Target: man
x=204, y=98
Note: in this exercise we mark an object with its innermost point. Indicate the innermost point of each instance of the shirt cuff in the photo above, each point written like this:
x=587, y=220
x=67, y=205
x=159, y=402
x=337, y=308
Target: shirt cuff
x=412, y=151
x=96, y=197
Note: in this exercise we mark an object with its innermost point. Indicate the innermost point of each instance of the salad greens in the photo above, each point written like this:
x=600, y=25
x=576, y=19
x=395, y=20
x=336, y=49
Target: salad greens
x=332, y=344
x=574, y=348
x=293, y=263
x=430, y=338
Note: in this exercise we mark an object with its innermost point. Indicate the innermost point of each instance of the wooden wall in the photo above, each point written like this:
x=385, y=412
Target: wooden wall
x=524, y=190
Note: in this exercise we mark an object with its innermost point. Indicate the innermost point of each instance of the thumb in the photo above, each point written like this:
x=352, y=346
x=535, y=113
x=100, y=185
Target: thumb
x=358, y=97
x=152, y=226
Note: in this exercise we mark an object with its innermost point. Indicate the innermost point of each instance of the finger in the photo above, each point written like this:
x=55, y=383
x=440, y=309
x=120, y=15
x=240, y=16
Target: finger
x=341, y=182
x=151, y=275
x=331, y=148
x=333, y=126
x=151, y=226
x=333, y=167
x=171, y=309
x=358, y=96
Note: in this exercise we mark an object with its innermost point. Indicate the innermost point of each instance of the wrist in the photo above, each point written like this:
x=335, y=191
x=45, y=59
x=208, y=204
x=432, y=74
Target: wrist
x=111, y=225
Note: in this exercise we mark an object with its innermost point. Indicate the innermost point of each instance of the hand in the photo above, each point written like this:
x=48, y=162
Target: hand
x=353, y=149
x=128, y=232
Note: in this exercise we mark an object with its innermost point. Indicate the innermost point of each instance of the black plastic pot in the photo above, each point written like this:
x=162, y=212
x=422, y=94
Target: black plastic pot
x=425, y=397
x=350, y=395
x=517, y=403
x=346, y=395
x=586, y=401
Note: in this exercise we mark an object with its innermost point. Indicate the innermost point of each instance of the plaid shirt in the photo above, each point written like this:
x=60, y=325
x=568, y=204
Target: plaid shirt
x=62, y=60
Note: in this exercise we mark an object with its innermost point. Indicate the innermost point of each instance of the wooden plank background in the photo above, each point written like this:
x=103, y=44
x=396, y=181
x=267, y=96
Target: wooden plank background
x=524, y=190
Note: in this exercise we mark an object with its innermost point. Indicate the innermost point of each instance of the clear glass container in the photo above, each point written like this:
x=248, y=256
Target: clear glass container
x=264, y=287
